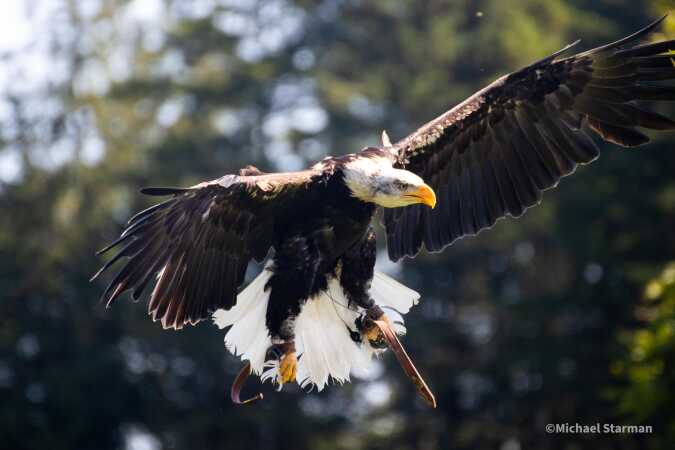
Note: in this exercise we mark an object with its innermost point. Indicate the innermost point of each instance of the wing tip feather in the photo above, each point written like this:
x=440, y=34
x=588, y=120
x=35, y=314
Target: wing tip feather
x=162, y=191
x=632, y=37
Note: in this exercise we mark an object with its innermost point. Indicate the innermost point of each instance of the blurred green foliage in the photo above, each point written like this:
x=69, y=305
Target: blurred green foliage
x=517, y=328
x=648, y=365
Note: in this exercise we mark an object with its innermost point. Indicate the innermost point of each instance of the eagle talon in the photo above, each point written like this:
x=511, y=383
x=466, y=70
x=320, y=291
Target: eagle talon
x=288, y=366
x=371, y=331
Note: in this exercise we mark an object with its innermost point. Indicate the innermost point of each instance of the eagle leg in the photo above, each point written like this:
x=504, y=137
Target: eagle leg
x=356, y=275
x=295, y=278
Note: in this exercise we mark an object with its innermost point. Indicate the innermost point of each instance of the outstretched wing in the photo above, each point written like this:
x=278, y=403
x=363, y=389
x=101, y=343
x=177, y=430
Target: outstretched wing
x=494, y=154
x=198, y=243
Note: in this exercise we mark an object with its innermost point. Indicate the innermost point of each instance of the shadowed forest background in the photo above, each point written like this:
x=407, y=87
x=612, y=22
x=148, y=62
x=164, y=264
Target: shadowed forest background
x=566, y=315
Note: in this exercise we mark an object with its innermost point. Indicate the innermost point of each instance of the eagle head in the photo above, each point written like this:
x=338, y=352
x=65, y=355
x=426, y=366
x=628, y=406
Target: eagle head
x=374, y=180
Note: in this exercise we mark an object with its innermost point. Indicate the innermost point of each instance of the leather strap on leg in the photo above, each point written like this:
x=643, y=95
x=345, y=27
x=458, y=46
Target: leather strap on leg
x=235, y=392
x=405, y=362
x=238, y=384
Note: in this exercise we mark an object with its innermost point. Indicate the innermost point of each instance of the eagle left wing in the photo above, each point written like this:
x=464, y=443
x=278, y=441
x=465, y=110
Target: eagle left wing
x=196, y=245
x=494, y=154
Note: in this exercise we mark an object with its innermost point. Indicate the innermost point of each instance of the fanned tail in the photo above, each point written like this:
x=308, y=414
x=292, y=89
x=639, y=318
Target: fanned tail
x=323, y=329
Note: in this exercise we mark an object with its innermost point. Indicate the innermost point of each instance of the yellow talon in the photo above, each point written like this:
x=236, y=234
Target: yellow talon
x=374, y=334
x=288, y=367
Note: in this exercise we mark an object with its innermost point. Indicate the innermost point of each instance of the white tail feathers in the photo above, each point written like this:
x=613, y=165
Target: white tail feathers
x=248, y=337
x=394, y=298
x=322, y=329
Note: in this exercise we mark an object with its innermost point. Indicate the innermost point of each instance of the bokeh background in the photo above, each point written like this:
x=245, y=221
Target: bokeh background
x=566, y=315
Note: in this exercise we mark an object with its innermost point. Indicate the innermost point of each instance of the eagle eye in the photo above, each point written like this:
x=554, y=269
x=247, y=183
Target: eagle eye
x=401, y=185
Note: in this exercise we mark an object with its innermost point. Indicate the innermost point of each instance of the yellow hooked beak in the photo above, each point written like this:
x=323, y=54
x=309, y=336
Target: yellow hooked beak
x=425, y=195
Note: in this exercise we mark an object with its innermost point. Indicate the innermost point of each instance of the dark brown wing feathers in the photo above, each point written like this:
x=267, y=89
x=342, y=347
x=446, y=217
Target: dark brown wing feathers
x=198, y=243
x=494, y=154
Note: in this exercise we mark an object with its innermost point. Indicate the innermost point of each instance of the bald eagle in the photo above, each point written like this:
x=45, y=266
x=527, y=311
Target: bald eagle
x=318, y=303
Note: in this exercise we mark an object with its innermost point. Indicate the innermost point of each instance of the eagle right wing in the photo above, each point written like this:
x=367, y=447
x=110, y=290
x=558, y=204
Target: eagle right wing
x=198, y=243
x=494, y=154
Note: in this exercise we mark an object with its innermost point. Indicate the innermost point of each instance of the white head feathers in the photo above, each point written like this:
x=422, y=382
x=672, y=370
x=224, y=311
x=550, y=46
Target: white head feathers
x=374, y=180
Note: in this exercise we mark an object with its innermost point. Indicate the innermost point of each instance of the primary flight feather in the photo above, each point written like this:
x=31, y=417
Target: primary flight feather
x=318, y=300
